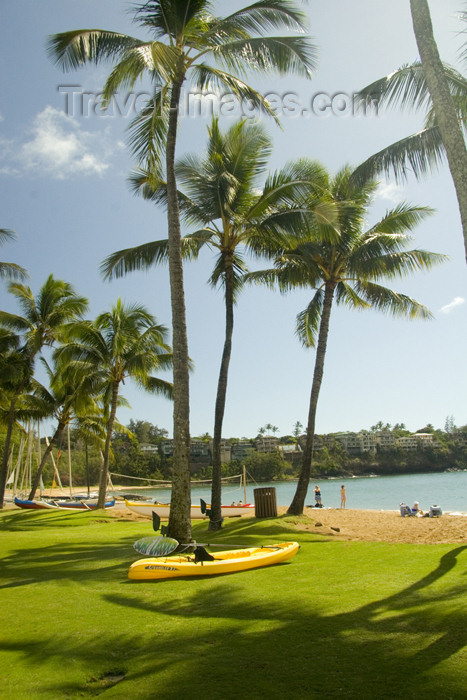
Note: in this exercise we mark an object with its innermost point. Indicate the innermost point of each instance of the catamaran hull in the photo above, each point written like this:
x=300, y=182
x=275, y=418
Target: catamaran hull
x=34, y=505
x=163, y=510
x=229, y=562
x=58, y=505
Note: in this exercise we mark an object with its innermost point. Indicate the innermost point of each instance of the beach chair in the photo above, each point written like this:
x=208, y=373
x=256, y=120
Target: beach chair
x=435, y=512
x=406, y=510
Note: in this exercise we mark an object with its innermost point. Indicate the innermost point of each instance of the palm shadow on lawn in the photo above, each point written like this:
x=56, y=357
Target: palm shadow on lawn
x=271, y=649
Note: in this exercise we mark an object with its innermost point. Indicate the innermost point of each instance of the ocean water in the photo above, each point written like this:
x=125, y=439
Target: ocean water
x=447, y=490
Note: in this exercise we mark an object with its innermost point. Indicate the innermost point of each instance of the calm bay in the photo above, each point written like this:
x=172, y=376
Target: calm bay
x=447, y=490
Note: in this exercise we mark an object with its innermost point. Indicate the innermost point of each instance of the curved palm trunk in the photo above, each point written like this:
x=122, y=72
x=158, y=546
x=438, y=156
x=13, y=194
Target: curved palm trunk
x=215, y=522
x=179, y=521
x=446, y=115
x=298, y=502
x=50, y=446
x=108, y=440
x=6, y=449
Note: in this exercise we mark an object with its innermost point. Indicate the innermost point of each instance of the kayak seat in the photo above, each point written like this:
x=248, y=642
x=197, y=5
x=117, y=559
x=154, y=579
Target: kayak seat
x=201, y=555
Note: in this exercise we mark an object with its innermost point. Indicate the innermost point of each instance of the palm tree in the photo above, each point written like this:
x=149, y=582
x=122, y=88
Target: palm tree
x=10, y=270
x=72, y=392
x=184, y=36
x=123, y=342
x=431, y=85
x=15, y=370
x=40, y=325
x=220, y=193
x=443, y=105
x=345, y=267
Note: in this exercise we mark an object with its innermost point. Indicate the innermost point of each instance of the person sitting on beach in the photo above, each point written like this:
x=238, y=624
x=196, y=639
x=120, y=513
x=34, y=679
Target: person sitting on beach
x=416, y=510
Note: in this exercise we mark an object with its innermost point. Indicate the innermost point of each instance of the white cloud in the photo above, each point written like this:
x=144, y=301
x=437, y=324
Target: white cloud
x=457, y=301
x=391, y=192
x=59, y=147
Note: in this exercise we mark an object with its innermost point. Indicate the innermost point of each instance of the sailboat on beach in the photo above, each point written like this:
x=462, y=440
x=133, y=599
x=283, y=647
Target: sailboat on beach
x=198, y=512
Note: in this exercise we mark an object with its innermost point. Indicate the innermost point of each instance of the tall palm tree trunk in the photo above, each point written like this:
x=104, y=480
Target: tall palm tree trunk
x=179, y=520
x=451, y=131
x=298, y=502
x=50, y=446
x=6, y=449
x=108, y=439
x=215, y=522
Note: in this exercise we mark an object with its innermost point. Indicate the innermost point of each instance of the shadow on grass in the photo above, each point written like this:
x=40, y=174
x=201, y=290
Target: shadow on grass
x=21, y=520
x=74, y=557
x=273, y=650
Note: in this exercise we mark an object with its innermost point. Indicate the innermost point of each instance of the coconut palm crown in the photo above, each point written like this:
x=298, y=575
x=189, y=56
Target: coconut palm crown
x=40, y=325
x=125, y=342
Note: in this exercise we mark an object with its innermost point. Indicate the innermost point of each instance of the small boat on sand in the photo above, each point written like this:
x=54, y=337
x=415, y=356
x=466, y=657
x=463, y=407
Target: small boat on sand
x=228, y=562
x=82, y=505
x=26, y=504
x=163, y=510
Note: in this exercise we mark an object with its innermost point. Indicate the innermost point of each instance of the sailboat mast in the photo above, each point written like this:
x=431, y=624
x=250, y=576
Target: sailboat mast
x=69, y=460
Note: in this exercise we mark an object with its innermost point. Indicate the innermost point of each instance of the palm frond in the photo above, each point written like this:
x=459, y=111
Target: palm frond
x=308, y=320
x=12, y=271
x=261, y=17
x=407, y=87
x=71, y=50
x=348, y=296
x=172, y=19
x=156, y=58
x=282, y=55
x=143, y=257
x=239, y=269
x=402, y=218
x=158, y=386
x=148, y=130
x=418, y=154
x=209, y=79
x=398, y=264
x=388, y=301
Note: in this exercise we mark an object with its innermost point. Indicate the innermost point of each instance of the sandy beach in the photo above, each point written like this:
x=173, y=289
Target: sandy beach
x=386, y=526
x=358, y=525
x=366, y=525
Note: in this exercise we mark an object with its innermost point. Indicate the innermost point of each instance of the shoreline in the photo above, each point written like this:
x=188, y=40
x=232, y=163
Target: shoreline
x=350, y=524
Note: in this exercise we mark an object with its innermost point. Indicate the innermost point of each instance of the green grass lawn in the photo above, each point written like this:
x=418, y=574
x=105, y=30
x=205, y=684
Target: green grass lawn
x=342, y=619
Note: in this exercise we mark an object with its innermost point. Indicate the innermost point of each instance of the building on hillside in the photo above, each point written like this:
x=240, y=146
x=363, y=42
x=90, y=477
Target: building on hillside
x=146, y=447
x=266, y=443
x=241, y=449
x=292, y=453
x=357, y=443
x=415, y=441
x=385, y=439
x=200, y=452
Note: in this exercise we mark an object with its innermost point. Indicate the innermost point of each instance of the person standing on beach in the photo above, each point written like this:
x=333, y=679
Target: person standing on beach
x=343, y=496
x=317, y=491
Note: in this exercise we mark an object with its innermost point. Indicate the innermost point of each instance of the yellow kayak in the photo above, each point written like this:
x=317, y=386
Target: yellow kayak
x=223, y=562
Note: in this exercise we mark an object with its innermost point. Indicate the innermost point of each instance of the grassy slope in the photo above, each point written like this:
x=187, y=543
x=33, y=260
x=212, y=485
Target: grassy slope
x=342, y=619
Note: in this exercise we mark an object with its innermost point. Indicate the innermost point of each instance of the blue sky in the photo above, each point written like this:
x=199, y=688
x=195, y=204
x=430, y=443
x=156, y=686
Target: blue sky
x=64, y=191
